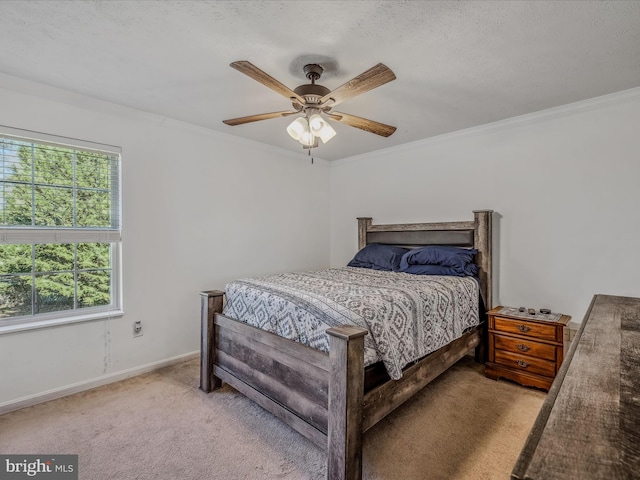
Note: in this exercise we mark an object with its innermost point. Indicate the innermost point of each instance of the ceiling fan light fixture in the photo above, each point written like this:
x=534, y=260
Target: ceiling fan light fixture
x=327, y=133
x=297, y=128
x=316, y=124
x=307, y=138
x=320, y=128
x=308, y=130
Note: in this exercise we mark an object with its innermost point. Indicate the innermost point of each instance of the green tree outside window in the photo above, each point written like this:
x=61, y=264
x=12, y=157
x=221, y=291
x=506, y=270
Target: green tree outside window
x=45, y=186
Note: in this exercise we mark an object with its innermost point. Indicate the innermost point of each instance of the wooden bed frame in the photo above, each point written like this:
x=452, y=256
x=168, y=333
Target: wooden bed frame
x=330, y=398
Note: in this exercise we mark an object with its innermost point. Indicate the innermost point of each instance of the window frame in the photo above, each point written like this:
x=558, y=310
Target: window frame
x=56, y=235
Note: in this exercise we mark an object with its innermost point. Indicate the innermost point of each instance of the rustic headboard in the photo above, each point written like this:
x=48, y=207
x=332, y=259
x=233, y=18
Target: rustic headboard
x=476, y=234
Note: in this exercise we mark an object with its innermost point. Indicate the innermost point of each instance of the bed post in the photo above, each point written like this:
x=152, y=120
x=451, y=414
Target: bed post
x=346, y=391
x=482, y=242
x=210, y=304
x=363, y=225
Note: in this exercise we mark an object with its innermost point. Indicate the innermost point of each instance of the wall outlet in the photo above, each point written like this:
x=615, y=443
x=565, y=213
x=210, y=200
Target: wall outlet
x=137, y=329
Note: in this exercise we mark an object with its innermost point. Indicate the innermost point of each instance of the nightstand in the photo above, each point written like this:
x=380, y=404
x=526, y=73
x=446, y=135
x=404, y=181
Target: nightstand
x=527, y=349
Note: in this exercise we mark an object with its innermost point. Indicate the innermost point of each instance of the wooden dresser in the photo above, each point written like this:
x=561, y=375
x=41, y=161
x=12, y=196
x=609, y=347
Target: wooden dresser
x=589, y=425
x=527, y=349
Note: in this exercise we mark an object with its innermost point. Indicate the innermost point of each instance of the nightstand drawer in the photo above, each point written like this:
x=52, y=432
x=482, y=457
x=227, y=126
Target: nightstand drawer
x=525, y=363
x=530, y=329
x=525, y=346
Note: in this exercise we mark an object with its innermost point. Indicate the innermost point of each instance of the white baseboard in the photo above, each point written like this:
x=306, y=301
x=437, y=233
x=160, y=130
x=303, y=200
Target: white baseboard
x=93, y=383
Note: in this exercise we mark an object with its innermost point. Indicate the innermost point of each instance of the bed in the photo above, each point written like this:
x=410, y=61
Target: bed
x=331, y=398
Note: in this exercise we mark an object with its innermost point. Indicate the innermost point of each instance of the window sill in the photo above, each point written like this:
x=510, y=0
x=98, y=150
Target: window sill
x=32, y=324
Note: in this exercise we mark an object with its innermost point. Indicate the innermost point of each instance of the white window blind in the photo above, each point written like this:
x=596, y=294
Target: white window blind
x=60, y=227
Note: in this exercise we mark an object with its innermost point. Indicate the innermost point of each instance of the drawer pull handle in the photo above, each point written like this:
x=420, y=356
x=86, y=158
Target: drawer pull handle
x=522, y=347
x=522, y=364
x=523, y=328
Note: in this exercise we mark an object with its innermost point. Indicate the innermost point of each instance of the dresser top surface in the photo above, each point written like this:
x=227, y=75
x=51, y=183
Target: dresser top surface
x=587, y=427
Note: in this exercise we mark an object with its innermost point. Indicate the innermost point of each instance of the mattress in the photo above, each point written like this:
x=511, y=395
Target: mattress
x=407, y=316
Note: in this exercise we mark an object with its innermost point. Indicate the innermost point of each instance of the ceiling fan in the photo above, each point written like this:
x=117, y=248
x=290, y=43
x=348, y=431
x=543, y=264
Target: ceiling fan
x=315, y=102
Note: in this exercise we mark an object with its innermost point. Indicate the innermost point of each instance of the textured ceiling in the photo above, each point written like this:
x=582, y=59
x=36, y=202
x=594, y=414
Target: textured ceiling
x=458, y=64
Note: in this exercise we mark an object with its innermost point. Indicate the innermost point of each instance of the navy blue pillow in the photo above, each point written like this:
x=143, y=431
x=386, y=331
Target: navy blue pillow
x=379, y=257
x=471, y=269
x=438, y=255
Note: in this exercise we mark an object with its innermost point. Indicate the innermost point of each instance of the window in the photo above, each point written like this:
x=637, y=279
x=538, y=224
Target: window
x=59, y=230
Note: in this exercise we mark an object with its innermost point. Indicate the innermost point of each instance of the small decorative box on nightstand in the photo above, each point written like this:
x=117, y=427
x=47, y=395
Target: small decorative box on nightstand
x=525, y=348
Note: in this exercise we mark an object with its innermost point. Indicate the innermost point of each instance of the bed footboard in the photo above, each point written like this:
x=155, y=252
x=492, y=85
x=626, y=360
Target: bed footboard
x=320, y=395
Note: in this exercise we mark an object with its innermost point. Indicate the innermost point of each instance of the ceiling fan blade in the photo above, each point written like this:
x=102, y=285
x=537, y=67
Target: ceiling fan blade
x=256, y=118
x=267, y=80
x=372, y=78
x=362, y=123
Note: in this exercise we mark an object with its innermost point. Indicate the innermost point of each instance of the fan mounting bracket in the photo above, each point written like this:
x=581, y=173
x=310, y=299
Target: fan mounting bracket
x=313, y=71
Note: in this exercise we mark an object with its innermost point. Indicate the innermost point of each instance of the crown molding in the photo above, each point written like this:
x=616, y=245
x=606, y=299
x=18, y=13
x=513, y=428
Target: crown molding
x=595, y=103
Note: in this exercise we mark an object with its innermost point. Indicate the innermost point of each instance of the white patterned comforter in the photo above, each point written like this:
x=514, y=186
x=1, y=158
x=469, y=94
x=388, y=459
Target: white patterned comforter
x=407, y=316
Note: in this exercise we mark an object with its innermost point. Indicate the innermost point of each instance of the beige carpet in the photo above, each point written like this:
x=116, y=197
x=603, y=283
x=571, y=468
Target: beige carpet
x=160, y=426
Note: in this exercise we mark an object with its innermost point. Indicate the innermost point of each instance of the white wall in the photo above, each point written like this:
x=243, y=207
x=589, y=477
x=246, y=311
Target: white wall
x=564, y=184
x=199, y=209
